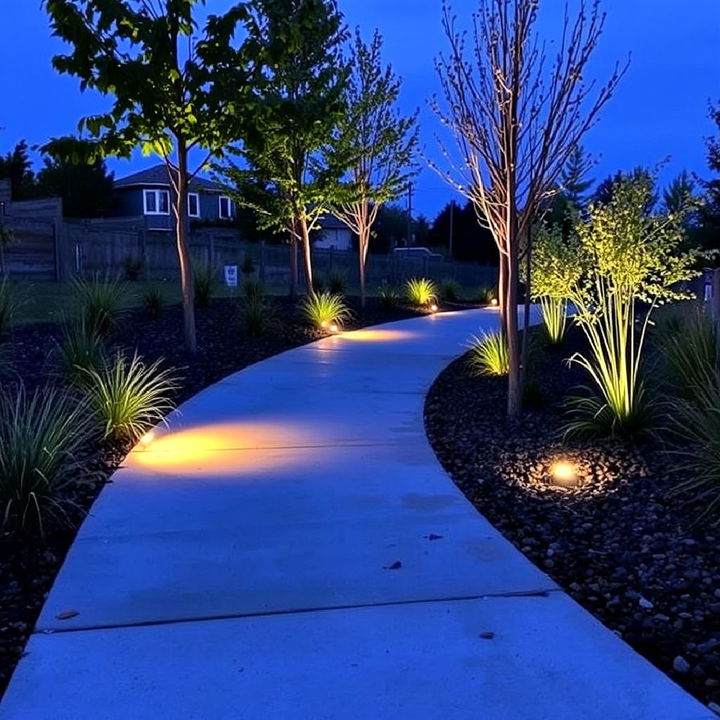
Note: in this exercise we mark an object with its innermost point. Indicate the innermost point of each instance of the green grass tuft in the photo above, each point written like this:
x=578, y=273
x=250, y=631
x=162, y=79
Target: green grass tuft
x=323, y=309
x=489, y=355
x=420, y=292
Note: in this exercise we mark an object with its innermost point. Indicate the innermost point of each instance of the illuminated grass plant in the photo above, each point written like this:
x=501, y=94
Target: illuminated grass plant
x=324, y=309
x=489, y=355
x=420, y=291
x=41, y=451
x=630, y=262
x=128, y=396
x=100, y=301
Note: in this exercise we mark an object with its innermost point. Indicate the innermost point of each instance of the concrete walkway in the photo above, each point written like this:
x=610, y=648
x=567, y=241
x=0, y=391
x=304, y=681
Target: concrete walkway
x=291, y=549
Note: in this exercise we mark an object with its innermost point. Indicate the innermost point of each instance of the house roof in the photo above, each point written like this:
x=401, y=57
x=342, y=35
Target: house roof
x=157, y=176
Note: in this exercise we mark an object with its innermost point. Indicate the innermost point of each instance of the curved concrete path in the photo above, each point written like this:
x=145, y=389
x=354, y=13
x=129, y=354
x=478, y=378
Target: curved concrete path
x=291, y=549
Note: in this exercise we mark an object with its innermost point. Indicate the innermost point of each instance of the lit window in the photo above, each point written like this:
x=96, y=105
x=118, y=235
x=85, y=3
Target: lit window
x=193, y=205
x=157, y=202
x=226, y=208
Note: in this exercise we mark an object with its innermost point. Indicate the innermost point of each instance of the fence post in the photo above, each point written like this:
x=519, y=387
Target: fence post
x=262, y=261
x=142, y=242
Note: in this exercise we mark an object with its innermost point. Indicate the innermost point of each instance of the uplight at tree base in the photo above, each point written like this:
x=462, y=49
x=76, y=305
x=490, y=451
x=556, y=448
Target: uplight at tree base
x=494, y=302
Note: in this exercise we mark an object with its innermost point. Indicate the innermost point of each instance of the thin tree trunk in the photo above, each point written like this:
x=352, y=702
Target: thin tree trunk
x=363, y=244
x=293, y=266
x=511, y=320
x=526, y=315
x=307, y=256
x=186, y=277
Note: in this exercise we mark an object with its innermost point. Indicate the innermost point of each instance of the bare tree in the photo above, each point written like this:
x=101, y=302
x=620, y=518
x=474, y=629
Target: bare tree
x=516, y=117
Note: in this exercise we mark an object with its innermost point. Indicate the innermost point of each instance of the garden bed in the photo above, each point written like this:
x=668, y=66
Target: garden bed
x=28, y=565
x=616, y=542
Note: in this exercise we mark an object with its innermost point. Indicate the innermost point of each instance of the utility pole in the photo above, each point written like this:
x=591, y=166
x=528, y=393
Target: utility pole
x=409, y=216
x=450, y=237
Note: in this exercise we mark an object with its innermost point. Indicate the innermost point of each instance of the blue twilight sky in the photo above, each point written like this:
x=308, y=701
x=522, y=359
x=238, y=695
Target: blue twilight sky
x=660, y=110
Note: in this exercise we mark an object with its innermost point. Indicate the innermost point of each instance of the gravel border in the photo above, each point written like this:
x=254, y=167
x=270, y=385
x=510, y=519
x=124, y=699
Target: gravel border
x=616, y=543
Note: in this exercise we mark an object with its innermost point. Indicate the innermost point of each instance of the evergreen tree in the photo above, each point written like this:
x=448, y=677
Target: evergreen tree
x=17, y=167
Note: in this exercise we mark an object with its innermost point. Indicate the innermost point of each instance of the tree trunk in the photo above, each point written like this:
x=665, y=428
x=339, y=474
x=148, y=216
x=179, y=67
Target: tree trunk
x=293, y=266
x=511, y=321
x=526, y=314
x=186, y=277
x=307, y=256
x=363, y=245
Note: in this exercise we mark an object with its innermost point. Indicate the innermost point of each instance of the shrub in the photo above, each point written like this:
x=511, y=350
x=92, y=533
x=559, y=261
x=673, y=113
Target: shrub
x=100, y=302
x=690, y=354
x=153, y=302
x=622, y=256
x=205, y=284
x=420, y=291
x=389, y=296
x=450, y=290
x=324, y=309
x=489, y=355
x=41, y=449
x=252, y=288
x=257, y=315
x=336, y=283
x=132, y=268
x=697, y=428
x=129, y=396
x=80, y=349
x=554, y=315
x=8, y=304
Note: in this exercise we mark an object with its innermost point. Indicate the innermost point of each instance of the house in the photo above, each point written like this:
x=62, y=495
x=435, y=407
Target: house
x=148, y=194
x=333, y=234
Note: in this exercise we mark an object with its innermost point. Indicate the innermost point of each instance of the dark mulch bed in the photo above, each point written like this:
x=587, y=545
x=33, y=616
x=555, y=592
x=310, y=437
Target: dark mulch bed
x=28, y=565
x=617, y=543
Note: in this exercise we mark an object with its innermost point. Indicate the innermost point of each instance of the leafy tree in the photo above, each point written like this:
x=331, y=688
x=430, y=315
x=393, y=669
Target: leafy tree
x=708, y=230
x=375, y=141
x=605, y=190
x=389, y=229
x=172, y=93
x=86, y=189
x=17, y=167
x=299, y=101
x=630, y=261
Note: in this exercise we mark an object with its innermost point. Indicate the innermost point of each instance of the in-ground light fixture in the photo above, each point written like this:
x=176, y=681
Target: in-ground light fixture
x=433, y=308
x=494, y=302
x=564, y=474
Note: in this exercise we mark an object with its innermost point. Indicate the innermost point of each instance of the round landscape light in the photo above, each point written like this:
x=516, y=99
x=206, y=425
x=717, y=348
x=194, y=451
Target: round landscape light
x=334, y=328
x=433, y=308
x=564, y=474
x=494, y=301
x=324, y=324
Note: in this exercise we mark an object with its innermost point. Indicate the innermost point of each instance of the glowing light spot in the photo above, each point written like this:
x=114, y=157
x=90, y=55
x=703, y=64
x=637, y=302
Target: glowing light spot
x=218, y=449
x=334, y=328
x=324, y=324
x=494, y=302
x=378, y=335
x=433, y=308
x=147, y=438
x=564, y=474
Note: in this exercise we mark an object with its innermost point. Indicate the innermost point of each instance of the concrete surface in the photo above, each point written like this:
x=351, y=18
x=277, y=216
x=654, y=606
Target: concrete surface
x=290, y=548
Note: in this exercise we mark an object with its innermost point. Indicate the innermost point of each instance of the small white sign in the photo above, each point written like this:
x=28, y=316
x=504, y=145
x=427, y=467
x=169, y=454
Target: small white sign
x=231, y=275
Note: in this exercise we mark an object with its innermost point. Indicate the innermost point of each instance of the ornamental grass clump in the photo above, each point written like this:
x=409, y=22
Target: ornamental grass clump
x=324, y=309
x=489, y=355
x=389, y=296
x=128, y=396
x=8, y=304
x=420, y=292
x=450, y=290
x=153, y=302
x=42, y=450
x=631, y=261
x=205, y=284
x=253, y=288
x=81, y=348
x=257, y=315
x=100, y=302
